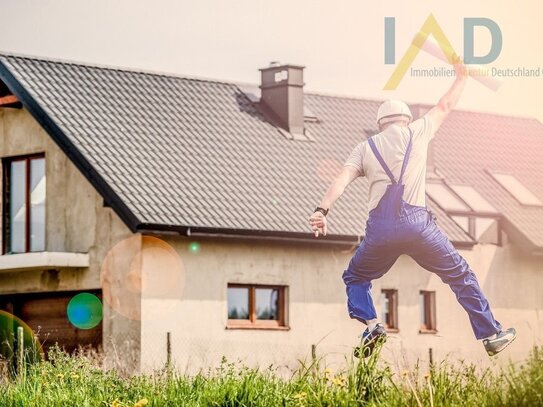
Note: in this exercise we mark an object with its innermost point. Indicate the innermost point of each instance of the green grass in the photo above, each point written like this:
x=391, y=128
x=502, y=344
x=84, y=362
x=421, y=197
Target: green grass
x=76, y=381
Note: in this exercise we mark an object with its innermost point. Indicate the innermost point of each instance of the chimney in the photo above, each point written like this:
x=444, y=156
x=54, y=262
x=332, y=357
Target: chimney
x=282, y=92
x=418, y=111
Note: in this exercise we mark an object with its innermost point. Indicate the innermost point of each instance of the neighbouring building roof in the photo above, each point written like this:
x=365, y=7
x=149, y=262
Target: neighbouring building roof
x=171, y=153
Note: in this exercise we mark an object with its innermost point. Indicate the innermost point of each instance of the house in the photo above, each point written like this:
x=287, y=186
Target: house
x=181, y=205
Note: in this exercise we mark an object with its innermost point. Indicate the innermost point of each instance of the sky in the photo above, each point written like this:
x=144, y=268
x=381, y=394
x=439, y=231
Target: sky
x=340, y=43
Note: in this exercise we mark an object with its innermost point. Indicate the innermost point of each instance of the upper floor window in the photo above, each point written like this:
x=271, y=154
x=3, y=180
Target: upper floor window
x=473, y=198
x=24, y=204
x=470, y=210
x=517, y=189
x=446, y=198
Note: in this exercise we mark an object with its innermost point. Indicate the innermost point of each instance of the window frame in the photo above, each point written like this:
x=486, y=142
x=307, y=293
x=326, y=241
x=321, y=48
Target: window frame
x=496, y=174
x=457, y=186
x=453, y=194
x=429, y=304
x=253, y=322
x=472, y=215
x=392, y=309
x=6, y=184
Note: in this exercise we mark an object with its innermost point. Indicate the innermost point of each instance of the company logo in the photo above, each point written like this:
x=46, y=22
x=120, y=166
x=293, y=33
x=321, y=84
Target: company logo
x=431, y=27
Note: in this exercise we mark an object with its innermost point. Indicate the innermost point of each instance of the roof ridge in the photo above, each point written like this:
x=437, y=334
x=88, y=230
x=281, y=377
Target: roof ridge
x=116, y=68
x=238, y=83
x=370, y=99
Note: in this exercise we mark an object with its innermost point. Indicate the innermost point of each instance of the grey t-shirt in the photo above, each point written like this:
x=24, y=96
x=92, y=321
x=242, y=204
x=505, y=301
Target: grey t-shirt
x=392, y=143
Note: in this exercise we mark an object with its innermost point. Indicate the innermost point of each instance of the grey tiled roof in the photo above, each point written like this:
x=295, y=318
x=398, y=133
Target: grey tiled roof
x=198, y=153
x=471, y=145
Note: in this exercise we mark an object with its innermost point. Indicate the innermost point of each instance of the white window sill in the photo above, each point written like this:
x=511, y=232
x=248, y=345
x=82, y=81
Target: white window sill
x=42, y=260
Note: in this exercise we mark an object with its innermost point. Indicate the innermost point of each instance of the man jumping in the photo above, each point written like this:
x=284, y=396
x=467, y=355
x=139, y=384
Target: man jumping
x=394, y=161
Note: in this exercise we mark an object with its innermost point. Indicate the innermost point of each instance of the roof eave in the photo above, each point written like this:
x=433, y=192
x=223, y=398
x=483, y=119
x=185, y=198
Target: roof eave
x=268, y=235
x=231, y=233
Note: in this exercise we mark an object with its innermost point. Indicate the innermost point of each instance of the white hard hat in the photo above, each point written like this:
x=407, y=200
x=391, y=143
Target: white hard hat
x=391, y=108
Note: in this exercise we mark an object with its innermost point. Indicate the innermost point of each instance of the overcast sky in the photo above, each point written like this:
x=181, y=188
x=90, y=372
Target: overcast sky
x=341, y=43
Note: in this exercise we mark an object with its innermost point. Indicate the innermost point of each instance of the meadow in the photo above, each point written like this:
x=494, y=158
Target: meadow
x=76, y=380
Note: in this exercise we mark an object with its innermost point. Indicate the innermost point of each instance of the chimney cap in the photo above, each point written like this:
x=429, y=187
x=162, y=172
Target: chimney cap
x=277, y=64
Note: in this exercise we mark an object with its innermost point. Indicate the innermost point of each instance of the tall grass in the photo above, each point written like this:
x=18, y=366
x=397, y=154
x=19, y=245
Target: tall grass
x=66, y=380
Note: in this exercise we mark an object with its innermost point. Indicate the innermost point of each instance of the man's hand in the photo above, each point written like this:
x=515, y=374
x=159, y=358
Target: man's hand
x=317, y=221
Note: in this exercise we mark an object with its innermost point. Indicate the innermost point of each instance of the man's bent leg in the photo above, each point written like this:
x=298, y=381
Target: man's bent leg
x=368, y=263
x=436, y=253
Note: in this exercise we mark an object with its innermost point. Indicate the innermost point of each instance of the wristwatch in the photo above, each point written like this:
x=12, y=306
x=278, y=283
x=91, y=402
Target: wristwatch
x=321, y=210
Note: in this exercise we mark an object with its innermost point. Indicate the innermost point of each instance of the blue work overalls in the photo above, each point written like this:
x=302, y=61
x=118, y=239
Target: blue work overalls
x=395, y=227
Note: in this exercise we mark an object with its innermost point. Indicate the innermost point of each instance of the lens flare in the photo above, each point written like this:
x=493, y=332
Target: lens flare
x=142, y=278
x=194, y=247
x=85, y=311
x=32, y=347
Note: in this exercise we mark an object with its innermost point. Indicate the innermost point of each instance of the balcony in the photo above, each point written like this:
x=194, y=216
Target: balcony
x=42, y=261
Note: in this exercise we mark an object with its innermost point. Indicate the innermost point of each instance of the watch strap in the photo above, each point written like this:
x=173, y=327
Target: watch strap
x=321, y=210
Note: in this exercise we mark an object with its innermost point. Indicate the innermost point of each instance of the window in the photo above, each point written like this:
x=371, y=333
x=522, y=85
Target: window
x=473, y=198
x=428, y=312
x=24, y=204
x=518, y=190
x=256, y=306
x=469, y=209
x=389, y=309
x=446, y=198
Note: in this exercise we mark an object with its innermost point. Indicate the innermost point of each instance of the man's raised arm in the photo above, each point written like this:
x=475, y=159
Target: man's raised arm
x=449, y=100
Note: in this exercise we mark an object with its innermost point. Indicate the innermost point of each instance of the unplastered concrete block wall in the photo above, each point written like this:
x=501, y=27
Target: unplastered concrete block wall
x=197, y=317
x=76, y=221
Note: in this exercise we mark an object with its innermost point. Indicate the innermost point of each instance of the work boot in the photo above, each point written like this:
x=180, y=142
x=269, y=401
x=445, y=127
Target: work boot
x=369, y=339
x=502, y=340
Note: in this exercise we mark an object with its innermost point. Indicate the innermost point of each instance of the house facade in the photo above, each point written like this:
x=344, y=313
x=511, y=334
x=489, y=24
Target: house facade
x=182, y=205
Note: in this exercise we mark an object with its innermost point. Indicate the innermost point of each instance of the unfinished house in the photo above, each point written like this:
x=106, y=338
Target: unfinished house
x=182, y=205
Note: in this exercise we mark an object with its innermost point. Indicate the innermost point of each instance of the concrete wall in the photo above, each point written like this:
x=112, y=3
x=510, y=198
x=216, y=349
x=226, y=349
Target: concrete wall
x=317, y=306
x=76, y=221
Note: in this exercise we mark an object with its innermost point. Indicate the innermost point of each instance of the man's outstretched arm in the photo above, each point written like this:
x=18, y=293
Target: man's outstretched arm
x=449, y=100
x=317, y=220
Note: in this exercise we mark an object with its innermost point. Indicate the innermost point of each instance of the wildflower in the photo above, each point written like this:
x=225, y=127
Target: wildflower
x=75, y=376
x=300, y=396
x=115, y=403
x=60, y=376
x=141, y=403
x=339, y=381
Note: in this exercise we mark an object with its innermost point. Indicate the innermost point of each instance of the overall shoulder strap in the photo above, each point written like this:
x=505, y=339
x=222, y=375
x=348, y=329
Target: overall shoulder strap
x=407, y=154
x=381, y=161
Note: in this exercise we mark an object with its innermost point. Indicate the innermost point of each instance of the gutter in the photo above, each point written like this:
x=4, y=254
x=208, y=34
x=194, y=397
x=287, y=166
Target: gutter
x=247, y=234
x=260, y=235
